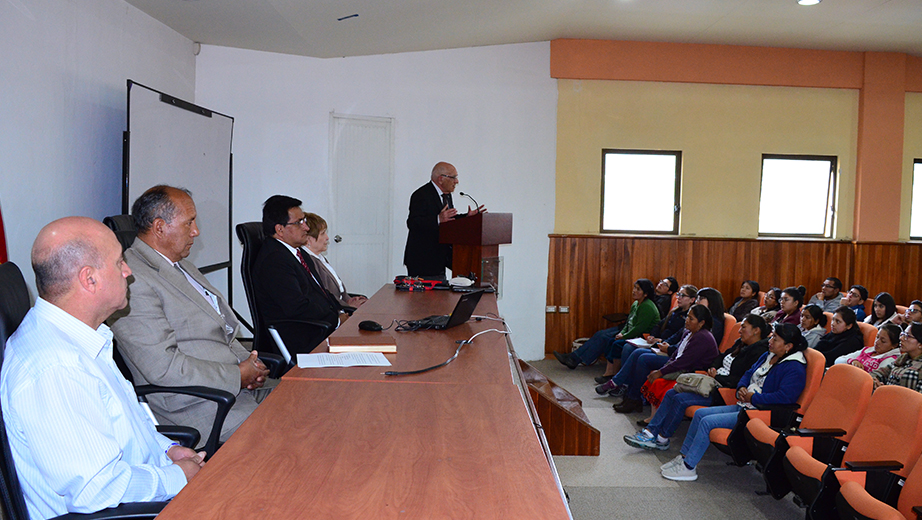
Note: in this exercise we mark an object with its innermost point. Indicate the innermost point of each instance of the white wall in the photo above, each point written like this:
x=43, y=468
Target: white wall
x=63, y=71
x=491, y=111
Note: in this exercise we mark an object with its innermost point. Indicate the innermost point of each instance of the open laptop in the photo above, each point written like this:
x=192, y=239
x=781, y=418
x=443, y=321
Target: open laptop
x=463, y=311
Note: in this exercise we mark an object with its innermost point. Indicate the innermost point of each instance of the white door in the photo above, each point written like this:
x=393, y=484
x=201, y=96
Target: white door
x=361, y=174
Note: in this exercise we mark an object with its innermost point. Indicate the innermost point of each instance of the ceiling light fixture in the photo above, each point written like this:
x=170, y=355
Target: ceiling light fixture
x=808, y=2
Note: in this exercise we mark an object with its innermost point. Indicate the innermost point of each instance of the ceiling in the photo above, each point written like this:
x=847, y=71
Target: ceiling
x=310, y=27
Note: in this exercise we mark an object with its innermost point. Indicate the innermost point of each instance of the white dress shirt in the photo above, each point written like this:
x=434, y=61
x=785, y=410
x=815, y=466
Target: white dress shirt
x=79, y=438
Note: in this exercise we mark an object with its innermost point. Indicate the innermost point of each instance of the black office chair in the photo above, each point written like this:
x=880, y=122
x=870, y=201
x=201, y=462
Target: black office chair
x=299, y=335
x=14, y=304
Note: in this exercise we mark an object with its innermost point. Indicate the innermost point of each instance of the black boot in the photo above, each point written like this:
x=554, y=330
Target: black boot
x=629, y=406
x=568, y=360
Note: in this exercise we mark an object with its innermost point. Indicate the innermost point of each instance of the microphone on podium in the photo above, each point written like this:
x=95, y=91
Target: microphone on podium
x=468, y=196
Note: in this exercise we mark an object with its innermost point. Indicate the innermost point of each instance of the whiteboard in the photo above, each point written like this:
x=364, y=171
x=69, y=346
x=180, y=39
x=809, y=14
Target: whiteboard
x=174, y=142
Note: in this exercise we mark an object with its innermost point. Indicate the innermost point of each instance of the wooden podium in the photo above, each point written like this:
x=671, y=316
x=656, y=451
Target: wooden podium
x=475, y=238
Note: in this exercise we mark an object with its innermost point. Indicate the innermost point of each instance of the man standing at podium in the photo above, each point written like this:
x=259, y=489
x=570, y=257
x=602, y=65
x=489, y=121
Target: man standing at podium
x=430, y=206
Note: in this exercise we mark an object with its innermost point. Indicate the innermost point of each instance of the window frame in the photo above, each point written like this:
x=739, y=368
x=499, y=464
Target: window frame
x=912, y=189
x=676, y=203
x=829, y=223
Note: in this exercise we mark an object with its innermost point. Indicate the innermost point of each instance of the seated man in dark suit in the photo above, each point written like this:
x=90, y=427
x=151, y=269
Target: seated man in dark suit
x=286, y=286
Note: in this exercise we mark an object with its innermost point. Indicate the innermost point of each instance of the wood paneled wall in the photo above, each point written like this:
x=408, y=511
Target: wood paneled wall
x=593, y=274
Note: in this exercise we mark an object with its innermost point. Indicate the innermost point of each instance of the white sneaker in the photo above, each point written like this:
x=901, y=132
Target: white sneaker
x=679, y=459
x=680, y=472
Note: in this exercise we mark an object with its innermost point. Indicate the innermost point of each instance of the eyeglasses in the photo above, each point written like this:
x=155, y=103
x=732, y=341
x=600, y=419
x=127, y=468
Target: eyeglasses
x=680, y=295
x=452, y=177
x=787, y=299
x=828, y=286
x=303, y=220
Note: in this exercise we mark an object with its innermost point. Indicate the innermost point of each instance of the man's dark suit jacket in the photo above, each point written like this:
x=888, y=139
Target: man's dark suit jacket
x=424, y=255
x=284, y=291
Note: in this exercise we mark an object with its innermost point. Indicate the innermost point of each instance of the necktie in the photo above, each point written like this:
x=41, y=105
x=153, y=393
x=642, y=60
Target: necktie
x=446, y=199
x=326, y=293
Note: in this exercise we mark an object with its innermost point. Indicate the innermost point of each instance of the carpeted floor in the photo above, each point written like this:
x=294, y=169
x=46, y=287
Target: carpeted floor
x=624, y=482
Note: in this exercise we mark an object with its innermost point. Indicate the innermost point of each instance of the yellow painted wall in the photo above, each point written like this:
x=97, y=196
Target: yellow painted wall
x=912, y=149
x=722, y=131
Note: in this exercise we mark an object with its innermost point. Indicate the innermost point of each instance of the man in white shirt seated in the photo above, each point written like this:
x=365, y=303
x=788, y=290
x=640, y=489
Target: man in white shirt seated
x=79, y=438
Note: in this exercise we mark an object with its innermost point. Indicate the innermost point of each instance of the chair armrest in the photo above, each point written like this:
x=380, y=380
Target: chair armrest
x=872, y=465
x=616, y=317
x=815, y=432
x=348, y=309
x=782, y=415
x=131, y=510
x=274, y=363
x=301, y=336
x=224, y=400
x=186, y=436
x=354, y=295
x=918, y=511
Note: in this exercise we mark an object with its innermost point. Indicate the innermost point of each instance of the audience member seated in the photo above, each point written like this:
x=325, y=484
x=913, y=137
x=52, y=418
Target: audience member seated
x=883, y=352
x=286, y=284
x=670, y=327
x=730, y=366
x=617, y=386
x=641, y=319
x=883, y=311
x=844, y=338
x=714, y=301
x=771, y=307
x=79, y=438
x=663, y=294
x=746, y=302
x=653, y=373
x=178, y=330
x=792, y=299
x=778, y=377
x=812, y=324
x=904, y=371
x=854, y=300
x=913, y=314
x=317, y=243
x=829, y=298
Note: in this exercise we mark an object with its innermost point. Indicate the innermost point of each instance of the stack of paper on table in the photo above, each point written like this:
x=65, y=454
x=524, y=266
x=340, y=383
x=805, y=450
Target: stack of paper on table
x=363, y=342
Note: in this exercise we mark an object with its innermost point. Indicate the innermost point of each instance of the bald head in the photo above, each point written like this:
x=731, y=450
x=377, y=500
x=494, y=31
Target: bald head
x=61, y=249
x=445, y=176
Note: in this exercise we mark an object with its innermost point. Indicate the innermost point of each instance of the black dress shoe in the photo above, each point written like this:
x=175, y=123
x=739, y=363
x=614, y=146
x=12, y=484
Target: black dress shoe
x=567, y=360
x=603, y=379
x=629, y=406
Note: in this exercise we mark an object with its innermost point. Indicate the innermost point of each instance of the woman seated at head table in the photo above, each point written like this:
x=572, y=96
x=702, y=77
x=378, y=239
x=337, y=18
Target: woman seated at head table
x=318, y=241
x=714, y=301
x=772, y=305
x=883, y=352
x=746, y=302
x=913, y=314
x=653, y=374
x=812, y=324
x=844, y=338
x=905, y=370
x=642, y=317
x=883, y=311
x=670, y=327
x=792, y=299
x=778, y=377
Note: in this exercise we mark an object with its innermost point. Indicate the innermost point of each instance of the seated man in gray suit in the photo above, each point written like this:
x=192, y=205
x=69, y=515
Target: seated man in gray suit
x=177, y=329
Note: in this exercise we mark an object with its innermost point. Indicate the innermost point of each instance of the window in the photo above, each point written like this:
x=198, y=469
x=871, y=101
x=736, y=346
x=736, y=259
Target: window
x=915, y=213
x=804, y=182
x=640, y=191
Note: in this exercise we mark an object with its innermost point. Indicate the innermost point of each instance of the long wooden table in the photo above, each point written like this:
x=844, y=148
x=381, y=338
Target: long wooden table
x=457, y=442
